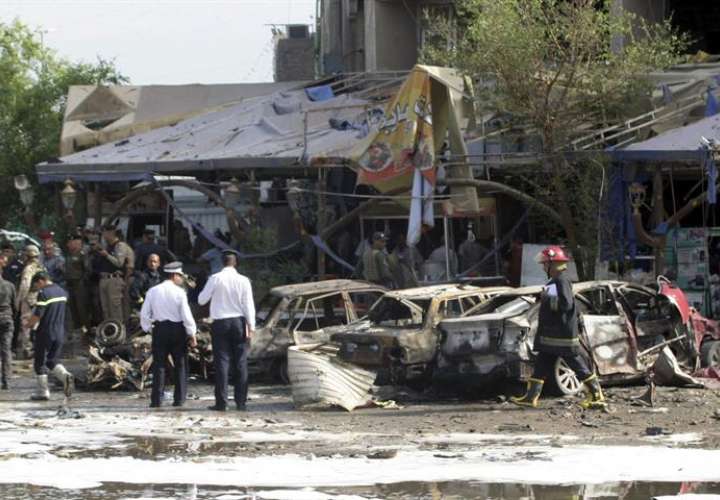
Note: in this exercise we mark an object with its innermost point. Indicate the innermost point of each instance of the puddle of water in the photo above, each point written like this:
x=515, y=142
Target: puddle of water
x=411, y=490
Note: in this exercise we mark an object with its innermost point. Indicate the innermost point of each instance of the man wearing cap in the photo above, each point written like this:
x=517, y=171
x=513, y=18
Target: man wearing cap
x=145, y=280
x=49, y=318
x=232, y=311
x=76, y=275
x=7, y=324
x=26, y=297
x=373, y=265
x=115, y=268
x=166, y=313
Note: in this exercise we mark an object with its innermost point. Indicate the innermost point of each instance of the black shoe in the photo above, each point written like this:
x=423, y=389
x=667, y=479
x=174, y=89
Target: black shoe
x=177, y=404
x=4, y=386
x=240, y=407
x=217, y=408
x=154, y=405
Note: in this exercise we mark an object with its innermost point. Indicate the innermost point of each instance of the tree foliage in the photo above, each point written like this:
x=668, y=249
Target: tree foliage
x=553, y=70
x=34, y=82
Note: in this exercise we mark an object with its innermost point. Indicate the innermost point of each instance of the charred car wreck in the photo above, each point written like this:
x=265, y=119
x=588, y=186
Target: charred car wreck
x=624, y=328
x=399, y=338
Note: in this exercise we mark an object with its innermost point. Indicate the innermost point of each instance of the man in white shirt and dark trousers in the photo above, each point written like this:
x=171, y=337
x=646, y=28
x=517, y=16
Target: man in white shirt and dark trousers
x=233, y=321
x=166, y=313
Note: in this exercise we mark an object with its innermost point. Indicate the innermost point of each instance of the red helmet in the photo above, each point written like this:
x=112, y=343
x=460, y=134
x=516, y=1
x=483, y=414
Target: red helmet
x=552, y=254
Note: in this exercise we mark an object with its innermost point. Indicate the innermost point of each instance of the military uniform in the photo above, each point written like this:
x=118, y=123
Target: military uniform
x=76, y=271
x=7, y=325
x=113, y=270
x=25, y=300
x=374, y=267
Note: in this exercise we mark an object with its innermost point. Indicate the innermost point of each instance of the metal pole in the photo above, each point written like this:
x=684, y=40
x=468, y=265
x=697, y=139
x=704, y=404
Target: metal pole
x=446, y=234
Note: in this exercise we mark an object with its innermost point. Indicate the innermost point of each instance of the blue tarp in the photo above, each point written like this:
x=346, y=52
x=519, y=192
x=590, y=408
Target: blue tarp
x=320, y=93
x=680, y=144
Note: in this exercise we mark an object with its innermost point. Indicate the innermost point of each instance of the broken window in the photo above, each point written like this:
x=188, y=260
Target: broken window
x=322, y=312
x=363, y=301
x=390, y=311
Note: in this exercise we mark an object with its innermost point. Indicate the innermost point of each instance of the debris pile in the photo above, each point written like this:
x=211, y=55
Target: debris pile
x=120, y=361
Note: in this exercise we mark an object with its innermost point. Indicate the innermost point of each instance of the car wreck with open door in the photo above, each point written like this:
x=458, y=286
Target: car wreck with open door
x=623, y=329
x=399, y=338
x=303, y=312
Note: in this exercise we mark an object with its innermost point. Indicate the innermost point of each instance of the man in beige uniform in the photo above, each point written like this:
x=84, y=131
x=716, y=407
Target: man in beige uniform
x=26, y=298
x=373, y=265
x=115, y=267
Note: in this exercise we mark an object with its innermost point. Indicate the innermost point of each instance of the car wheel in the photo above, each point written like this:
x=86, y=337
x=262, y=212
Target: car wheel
x=564, y=381
x=710, y=353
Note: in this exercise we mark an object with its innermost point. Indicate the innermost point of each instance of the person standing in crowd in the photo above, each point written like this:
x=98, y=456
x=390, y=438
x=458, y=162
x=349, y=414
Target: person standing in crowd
x=14, y=266
x=439, y=256
x=76, y=275
x=471, y=253
x=146, y=247
x=116, y=262
x=145, y=280
x=557, y=334
x=166, y=313
x=7, y=325
x=405, y=263
x=49, y=318
x=91, y=246
x=53, y=262
x=232, y=310
x=373, y=265
x=26, y=297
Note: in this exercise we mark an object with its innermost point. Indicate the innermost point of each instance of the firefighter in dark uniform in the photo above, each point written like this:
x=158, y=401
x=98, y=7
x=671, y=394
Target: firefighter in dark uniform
x=49, y=318
x=166, y=313
x=557, y=334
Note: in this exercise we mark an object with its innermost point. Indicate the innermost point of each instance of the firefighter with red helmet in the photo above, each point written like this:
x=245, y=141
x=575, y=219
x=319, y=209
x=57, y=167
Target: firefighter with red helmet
x=557, y=333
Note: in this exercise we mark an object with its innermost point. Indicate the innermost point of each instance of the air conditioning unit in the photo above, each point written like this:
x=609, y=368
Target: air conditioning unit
x=298, y=31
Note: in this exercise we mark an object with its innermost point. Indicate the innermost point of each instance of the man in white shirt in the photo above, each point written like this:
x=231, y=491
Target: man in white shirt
x=166, y=313
x=233, y=321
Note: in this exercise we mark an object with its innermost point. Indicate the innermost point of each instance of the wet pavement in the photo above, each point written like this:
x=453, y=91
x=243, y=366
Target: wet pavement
x=110, y=445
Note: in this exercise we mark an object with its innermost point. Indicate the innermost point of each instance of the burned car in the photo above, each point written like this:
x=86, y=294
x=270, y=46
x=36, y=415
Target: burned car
x=399, y=337
x=623, y=328
x=304, y=312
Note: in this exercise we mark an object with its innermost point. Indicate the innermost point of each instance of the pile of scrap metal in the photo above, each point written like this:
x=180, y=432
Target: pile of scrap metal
x=120, y=361
x=475, y=337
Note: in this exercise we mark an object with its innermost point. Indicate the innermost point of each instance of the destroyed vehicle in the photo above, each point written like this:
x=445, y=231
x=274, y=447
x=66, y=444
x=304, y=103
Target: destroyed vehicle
x=303, y=313
x=399, y=337
x=623, y=328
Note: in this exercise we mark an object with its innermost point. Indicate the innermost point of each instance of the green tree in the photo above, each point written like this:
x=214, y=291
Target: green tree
x=34, y=82
x=554, y=69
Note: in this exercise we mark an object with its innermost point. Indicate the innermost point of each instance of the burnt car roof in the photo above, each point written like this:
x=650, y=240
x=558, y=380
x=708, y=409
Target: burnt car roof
x=326, y=286
x=447, y=290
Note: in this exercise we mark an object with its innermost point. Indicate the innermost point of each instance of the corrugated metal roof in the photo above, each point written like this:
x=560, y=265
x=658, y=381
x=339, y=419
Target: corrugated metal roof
x=284, y=125
x=319, y=378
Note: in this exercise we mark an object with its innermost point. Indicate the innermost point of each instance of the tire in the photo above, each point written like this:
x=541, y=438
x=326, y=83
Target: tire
x=710, y=353
x=564, y=382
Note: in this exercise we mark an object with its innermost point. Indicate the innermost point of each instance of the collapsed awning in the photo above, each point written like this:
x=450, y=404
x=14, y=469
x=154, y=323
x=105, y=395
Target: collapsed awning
x=283, y=129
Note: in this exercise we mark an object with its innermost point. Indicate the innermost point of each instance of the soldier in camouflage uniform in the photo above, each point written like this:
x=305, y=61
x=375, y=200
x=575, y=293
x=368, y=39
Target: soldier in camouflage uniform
x=26, y=298
x=115, y=268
